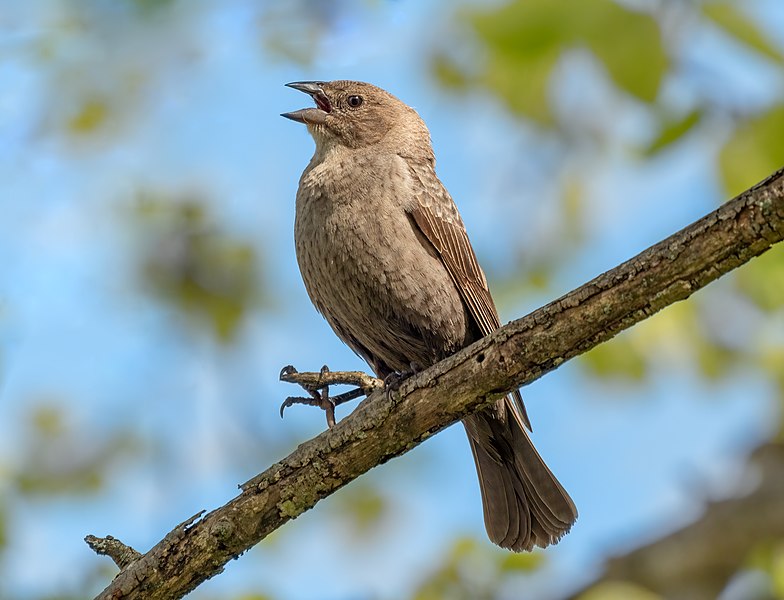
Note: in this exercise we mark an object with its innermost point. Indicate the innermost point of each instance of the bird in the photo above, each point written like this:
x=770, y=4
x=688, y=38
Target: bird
x=385, y=258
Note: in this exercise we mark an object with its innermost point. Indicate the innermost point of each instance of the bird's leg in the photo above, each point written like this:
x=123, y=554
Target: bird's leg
x=317, y=385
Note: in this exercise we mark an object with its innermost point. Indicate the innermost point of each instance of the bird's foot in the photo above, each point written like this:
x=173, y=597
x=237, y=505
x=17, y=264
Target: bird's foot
x=317, y=385
x=394, y=380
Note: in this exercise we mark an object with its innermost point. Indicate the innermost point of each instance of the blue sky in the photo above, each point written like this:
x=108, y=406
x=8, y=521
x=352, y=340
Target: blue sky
x=75, y=327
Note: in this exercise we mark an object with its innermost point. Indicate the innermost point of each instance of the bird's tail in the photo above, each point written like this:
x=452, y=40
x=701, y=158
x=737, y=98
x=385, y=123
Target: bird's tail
x=524, y=505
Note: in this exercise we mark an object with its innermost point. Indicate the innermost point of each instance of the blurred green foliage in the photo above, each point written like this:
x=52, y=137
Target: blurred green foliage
x=102, y=67
x=3, y=527
x=89, y=117
x=474, y=570
x=148, y=7
x=734, y=22
x=755, y=149
x=361, y=508
x=242, y=596
x=777, y=570
x=522, y=43
x=60, y=458
x=619, y=359
x=188, y=261
x=525, y=39
x=673, y=129
x=767, y=559
x=762, y=280
x=617, y=590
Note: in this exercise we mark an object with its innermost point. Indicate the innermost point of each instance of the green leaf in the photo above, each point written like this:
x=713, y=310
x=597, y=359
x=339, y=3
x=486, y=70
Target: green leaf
x=714, y=361
x=777, y=570
x=57, y=460
x=771, y=358
x=618, y=358
x=199, y=268
x=4, y=520
x=526, y=29
x=525, y=39
x=754, y=151
x=150, y=8
x=616, y=590
x=673, y=130
x=523, y=86
x=91, y=115
x=762, y=280
x=462, y=548
x=737, y=25
x=369, y=507
x=521, y=563
x=448, y=73
x=629, y=43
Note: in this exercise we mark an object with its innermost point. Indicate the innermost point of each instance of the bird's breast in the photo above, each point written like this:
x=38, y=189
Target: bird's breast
x=368, y=271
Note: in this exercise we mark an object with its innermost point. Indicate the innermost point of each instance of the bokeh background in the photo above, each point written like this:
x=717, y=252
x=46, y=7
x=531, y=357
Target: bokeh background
x=149, y=293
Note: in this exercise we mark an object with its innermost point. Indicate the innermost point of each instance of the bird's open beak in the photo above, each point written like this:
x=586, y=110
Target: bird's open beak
x=310, y=116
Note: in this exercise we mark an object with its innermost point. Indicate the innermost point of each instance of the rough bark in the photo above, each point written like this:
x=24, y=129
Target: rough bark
x=387, y=425
x=121, y=554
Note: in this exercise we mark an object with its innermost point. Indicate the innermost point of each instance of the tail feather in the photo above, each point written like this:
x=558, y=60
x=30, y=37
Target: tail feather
x=524, y=505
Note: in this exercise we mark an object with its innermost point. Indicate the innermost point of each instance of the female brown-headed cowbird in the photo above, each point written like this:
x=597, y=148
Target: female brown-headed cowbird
x=386, y=259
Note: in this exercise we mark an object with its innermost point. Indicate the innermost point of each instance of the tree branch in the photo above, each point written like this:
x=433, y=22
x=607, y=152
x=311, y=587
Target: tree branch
x=387, y=425
x=122, y=554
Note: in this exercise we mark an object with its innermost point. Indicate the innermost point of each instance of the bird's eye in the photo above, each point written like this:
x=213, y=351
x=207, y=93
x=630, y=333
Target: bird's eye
x=355, y=101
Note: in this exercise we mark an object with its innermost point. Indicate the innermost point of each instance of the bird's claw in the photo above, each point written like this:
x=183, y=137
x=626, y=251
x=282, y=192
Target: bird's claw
x=320, y=400
x=317, y=386
x=319, y=395
x=394, y=380
x=286, y=372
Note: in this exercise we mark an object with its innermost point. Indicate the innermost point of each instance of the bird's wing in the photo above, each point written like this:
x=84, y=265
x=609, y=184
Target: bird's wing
x=436, y=216
x=438, y=219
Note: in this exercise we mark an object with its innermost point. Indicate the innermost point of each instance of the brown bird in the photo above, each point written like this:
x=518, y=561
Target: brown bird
x=386, y=260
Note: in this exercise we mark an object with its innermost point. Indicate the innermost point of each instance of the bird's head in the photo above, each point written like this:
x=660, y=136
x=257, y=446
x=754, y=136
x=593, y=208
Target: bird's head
x=356, y=115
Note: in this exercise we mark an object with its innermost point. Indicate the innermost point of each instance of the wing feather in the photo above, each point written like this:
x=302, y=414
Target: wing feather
x=436, y=216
